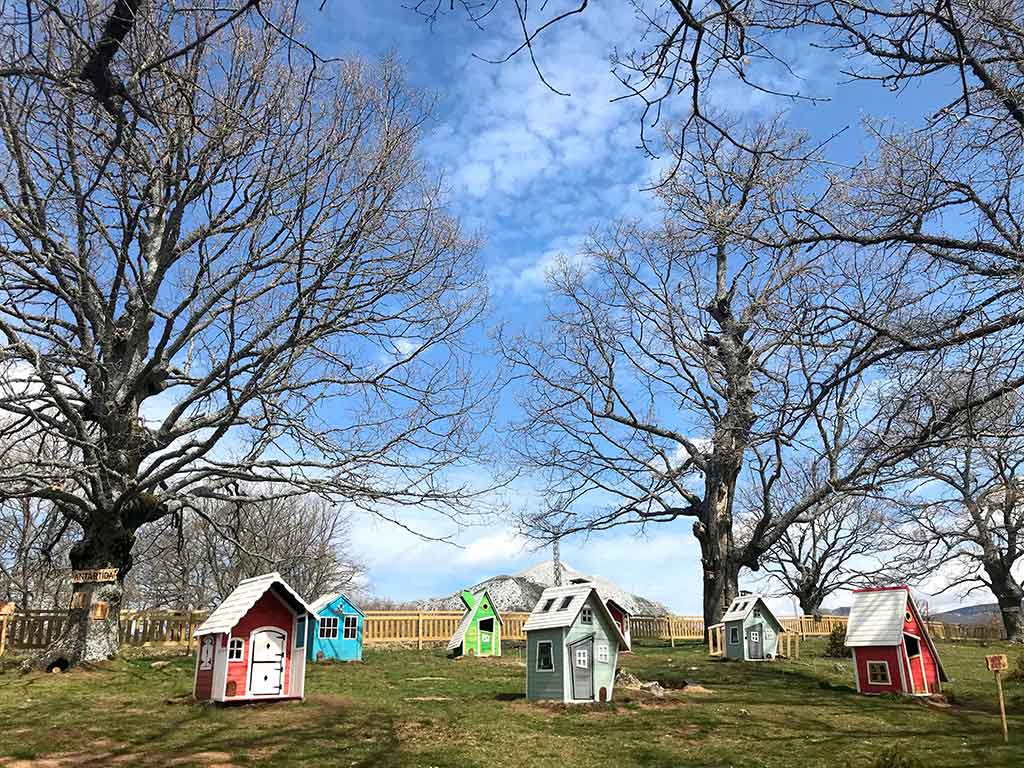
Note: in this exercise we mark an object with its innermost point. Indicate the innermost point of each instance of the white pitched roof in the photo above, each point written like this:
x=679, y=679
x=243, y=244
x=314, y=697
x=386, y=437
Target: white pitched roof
x=242, y=599
x=876, y=618
x=324, y=600
x=557, y=616
x=743, y=605
x=467, y=619
x=460, y=631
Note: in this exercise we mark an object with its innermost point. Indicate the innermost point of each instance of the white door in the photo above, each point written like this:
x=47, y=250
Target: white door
x=266, y=668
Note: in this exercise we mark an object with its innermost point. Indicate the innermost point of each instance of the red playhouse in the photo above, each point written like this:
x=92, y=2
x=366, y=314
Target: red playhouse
x=621, y=617
x=252, y=647
x=892, y=650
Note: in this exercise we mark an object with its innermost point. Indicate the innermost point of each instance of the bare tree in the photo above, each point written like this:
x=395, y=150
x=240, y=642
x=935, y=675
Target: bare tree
x=679, y=358
x=966, y=514
x=256, y=287
x=197, y=565
x=33, y=570
x=845, y=544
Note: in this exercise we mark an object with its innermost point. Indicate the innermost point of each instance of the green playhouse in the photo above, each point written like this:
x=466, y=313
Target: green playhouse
x=479, y=632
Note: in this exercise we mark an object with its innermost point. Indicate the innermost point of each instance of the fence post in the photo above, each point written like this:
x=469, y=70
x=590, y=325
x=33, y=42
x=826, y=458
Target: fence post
x=419, y=630
x=3, y=634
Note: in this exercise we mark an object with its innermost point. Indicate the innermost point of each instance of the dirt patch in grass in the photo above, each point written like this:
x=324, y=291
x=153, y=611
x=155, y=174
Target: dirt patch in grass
x=208, y=759
x=696, y=690
x=333, y=700
x=428, y=698
x=101, y=753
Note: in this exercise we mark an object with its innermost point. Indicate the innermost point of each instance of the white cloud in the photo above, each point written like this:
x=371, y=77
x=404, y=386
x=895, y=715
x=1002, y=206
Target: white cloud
x=527, y=275
x=493, y=549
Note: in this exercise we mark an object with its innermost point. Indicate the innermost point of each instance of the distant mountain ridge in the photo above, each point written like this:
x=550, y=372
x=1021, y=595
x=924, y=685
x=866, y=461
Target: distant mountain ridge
x=970, y=614
x=967, y=614
x=520, y=592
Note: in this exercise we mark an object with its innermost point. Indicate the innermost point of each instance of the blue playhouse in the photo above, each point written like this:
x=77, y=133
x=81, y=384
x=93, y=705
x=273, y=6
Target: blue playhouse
x=337, y=632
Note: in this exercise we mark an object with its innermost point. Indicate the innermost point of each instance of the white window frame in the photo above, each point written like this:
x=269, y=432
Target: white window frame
x=602, y=653
x=551, y=656
x=581, y=654
x=884, y=665
x=239, y=649
x=587, y=615
x=734, y=635
x=328, y=627
x=345, y=627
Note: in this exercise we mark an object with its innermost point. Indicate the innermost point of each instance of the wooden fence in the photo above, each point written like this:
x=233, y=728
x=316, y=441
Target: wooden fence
x=36, y=629
x=810, y=626
x=428, y=627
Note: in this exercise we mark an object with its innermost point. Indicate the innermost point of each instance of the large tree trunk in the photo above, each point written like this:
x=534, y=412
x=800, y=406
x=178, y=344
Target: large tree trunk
x=810, y=604
x=91, y=633
x=1009, y=595
x=719, y=561
x=714, y=530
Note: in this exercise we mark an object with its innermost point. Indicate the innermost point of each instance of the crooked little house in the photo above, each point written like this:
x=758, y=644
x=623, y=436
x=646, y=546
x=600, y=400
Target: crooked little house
x=572, y=646
x=252, y=647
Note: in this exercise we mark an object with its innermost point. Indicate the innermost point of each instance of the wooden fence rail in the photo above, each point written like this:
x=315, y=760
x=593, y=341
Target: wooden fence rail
x=37, y=629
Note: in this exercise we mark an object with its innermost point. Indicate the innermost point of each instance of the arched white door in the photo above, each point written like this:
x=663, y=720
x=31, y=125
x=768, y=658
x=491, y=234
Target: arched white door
x=266, y=665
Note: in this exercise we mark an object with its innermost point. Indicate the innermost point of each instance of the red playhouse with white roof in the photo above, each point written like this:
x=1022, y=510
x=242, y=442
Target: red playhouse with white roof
x=892, y=649
x=252, y=648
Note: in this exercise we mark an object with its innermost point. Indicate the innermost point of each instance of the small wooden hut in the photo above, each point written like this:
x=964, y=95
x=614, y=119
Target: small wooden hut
x=252, y=647
x=751, y=630
x=892, y=649
x=337, y=632
x=572, y=646
x=479, y=632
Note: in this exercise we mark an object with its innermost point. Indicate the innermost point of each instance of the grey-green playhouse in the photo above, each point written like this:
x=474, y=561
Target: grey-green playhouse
x=751, y=630
x=572, y=646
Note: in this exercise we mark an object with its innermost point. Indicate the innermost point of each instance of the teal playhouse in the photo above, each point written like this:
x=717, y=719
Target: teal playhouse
x=336, y=631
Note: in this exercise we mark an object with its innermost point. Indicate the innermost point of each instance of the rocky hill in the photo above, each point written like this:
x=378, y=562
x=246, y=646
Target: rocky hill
x=519, y=593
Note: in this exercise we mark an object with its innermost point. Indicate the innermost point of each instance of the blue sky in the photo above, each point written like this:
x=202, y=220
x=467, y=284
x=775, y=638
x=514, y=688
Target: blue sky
x=535, y=172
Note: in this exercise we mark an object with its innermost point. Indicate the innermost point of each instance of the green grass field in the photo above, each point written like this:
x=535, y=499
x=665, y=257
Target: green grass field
x=416, y=708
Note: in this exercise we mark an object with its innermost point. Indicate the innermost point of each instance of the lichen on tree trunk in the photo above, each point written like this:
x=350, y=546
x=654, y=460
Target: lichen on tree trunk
x=91, y=632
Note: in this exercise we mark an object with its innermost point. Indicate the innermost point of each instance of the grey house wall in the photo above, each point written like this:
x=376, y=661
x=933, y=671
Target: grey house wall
x=737, y=650
x=545, y=686
x=770, y=629
x=769, y=637
x=604, y=635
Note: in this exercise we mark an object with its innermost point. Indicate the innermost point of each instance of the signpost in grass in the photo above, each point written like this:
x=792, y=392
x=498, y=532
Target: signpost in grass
x=996, y=664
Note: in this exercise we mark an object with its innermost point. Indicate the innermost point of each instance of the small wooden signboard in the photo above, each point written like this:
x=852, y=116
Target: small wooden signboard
x=996, y=664
x=96, y=575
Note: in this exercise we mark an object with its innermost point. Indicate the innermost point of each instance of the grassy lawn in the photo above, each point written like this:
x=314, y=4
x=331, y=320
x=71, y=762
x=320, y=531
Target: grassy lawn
x=416, y=708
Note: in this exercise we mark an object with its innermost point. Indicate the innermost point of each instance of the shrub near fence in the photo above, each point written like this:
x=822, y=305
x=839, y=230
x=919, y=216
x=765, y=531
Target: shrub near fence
x=36, y=629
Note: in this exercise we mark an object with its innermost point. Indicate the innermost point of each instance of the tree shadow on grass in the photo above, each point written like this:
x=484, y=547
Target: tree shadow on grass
x=510, y=697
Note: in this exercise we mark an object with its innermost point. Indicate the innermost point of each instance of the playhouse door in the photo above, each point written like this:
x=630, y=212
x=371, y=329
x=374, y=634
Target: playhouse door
x=485, y=634
x=582, y=656
x=266, y=673
x=755, y=642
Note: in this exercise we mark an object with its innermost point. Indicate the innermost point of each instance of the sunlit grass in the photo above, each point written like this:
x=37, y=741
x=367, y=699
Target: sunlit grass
x=417, y=708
